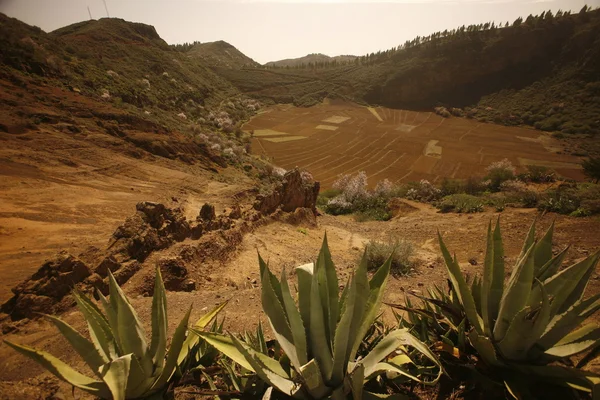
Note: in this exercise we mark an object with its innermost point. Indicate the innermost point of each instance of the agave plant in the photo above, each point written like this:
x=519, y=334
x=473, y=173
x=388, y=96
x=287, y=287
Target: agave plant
x=530, y=325
x=124, y=364
x=321, y=336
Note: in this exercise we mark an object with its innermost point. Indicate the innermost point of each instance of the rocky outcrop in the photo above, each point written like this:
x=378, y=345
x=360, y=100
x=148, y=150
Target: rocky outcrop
x=155, y=227
x=297, y=190
x=43, y=292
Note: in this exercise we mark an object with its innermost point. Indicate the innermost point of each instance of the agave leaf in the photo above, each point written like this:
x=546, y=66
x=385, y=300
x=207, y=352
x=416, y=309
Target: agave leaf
x=578, y=292
x=562, y=324
x=461, y=289
x=342, y=344
x=173, y=353
x=542, y=252
x=395, y=339
x=357, y=378
x=323, y=286
x=158, y=344
x=225, y=345
x=295, y=323
x=63, y=371
x=529, y=241
x=525, y=329
x=496, y=289
x=319, y=343
x=132, y=335
x=271, y=278
x=100, y=331
x=260, y=338
x=333, y=286
x=476, y=291
x=116, y=374
x=484, y=348
x=516, y=295
x=360, y=283
x=139, y=383
x=313, y=380
x=576, y=342
x=517, y=387
x=561, y=285
x=377, y=286
x=552, y=266
x=277, y=317
x=305, y=274
x=192, y=340
x=82, y=346
x=256, y=360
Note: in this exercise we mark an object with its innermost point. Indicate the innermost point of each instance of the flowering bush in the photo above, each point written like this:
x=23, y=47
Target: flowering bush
x=424, y=191
x=354, y=196
x=498, y=172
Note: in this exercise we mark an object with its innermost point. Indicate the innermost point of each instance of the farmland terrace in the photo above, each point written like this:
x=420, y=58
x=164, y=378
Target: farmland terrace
x=337, y=138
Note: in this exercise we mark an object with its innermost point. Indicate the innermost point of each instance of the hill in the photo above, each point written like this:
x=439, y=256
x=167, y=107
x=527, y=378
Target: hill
x=542, y=71
x=220, y=54
x=314, y=59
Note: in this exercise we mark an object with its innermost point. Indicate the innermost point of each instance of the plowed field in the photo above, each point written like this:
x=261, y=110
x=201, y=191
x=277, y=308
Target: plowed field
x=399, y=145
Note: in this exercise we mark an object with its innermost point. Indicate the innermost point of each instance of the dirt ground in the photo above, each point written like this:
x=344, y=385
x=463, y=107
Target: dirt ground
x=401, y=145
x=236, y=278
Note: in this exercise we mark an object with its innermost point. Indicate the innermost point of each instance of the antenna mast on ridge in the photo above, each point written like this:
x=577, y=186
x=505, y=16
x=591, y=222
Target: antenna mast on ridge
x=89, y=12
x=106, y=8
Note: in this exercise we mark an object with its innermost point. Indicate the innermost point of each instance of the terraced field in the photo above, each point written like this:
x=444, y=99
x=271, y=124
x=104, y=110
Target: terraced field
x=399, y=145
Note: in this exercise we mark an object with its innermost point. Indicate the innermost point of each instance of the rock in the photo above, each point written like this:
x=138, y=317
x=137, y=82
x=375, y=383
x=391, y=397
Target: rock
x=175, y=274
x=236, y=212
x=294, y=192
x=47, y=287
x=207, y=213
x=472, y=261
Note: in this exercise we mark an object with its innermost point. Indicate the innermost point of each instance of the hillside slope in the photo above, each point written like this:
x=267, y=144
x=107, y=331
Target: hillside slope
x=543, y=72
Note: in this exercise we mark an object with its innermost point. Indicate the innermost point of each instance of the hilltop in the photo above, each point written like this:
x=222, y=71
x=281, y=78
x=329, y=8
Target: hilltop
x=220, y=54
x=315, y=59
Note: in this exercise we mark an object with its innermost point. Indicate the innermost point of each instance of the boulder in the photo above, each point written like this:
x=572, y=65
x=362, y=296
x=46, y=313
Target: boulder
x=295, y=191
x=46, y=288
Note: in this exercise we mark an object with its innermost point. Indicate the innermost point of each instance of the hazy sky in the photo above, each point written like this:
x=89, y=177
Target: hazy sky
x=277, y=29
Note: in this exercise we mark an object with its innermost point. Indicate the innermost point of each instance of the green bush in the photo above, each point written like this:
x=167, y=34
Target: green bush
x=377, y=252
x=460, y=203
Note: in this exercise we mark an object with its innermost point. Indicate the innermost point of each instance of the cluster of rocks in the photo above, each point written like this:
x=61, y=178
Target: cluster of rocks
x=156, y=227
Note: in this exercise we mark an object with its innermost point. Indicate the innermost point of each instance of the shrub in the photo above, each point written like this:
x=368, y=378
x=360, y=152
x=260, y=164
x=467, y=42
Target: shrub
x=424, y=192
x=326, y=195
x=451, y=186
x=518, y=192
x=591, y=168
x=377, y=252
x=539, y=174
x=498, y=172
x=355, y=197
x=460, y=203
x=561, y=200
